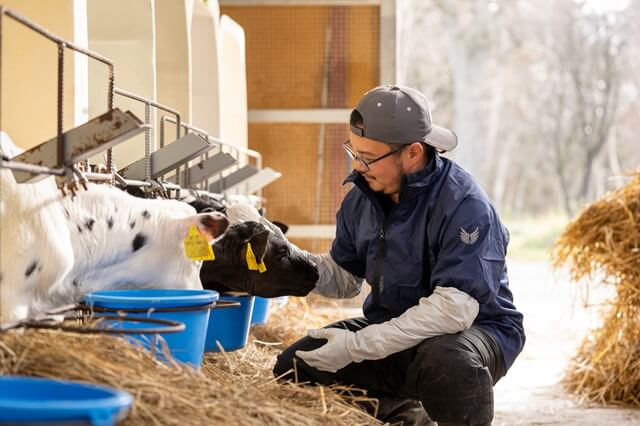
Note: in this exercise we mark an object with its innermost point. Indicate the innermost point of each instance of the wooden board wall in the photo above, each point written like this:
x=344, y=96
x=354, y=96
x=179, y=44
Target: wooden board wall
x=286, y=49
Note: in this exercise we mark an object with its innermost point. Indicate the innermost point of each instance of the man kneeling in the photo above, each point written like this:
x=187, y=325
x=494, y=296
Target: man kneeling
x=439, y=326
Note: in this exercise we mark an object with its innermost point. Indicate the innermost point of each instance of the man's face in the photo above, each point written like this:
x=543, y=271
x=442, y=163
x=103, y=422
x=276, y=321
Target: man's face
x=384, y=175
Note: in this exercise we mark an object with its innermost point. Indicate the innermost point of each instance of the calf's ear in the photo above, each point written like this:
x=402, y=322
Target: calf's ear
x=259, y=244
x=212, y=225
x=283, y=226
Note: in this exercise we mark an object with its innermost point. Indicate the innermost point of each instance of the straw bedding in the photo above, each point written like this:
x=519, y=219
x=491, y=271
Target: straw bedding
x=603, y=244
x=231, y=388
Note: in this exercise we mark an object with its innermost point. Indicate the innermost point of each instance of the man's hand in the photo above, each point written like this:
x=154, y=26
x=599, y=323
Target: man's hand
x=447, y=311
x=333, y=355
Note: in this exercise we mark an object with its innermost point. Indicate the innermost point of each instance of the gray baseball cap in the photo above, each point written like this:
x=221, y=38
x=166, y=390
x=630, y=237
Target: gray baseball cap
x=397, y=114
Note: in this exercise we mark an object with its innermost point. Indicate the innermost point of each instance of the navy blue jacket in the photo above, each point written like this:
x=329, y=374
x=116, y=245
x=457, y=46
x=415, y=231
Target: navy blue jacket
x=442, y=210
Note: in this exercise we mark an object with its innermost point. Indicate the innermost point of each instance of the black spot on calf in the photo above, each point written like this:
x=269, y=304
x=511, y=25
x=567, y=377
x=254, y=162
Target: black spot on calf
x=75, y=283
x=146, y=214
x=139, y=241
x=31, y=268
x=89, y=224
x=132, y=224
x=110, y=222
x=79, y=229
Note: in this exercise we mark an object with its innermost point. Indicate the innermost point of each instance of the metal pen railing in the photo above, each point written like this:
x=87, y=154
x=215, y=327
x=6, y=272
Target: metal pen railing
x=62, y=45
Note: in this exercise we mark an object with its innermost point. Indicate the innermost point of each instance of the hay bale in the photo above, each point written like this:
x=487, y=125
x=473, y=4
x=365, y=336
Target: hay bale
x=232, y=388
x=603, y=244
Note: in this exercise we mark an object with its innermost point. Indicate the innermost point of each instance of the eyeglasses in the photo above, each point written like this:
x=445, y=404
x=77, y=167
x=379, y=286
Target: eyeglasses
x=361, y=161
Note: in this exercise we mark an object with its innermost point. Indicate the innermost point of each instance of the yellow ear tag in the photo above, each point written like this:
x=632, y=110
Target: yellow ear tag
x=196, y=245
x=252, y=263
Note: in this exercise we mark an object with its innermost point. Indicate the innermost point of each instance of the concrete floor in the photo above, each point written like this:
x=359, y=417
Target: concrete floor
x=555, y=321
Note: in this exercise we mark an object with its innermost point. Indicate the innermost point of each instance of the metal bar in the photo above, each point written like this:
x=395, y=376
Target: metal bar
x=148, y=184
x=179, y=125
x=205, y=168
x=154, y=104
x=62, y=44
x=30, y=168
x=84, y=141
x=110, y=161
x=258, y=181
x=232, y=179
x=167, y=158
x=201, y=192
x=101, y=177
x=60, y=104
x=121, y=92
x=47, y=34
x=250, y=152
x=60, y=41
x=161, y=138
x=311, y=115
x=147, y=142
x=96, y=177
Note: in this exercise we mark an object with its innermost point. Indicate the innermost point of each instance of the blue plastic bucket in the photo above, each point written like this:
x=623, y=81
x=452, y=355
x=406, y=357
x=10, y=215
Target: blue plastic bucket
x=186, y=306
x=33, y=399
x=260, y=311
x=230, y=326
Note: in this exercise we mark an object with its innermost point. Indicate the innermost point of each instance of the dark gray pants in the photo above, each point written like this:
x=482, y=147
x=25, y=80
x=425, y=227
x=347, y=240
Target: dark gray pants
x=452, y=375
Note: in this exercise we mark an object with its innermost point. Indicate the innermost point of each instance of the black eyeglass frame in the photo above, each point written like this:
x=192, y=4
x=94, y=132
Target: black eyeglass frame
x=366, y=163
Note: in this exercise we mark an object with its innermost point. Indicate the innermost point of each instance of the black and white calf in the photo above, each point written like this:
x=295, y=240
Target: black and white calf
x=288, y=272
x=54, y=249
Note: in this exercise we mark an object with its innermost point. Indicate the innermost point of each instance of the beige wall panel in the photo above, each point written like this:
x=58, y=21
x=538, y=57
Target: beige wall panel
x=291, y=197
x=363, y=66
x=123, y=31
x=314, y=245
x=289, y=50
x=29, y=71
x=173, y=57
x=205, y=95
x=285, y=54
x=233, y=83
x=293, y=147
x=287, y=46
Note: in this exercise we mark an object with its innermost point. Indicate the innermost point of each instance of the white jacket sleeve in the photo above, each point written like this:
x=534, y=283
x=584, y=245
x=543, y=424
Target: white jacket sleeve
x=333, y=280
x=447, y=311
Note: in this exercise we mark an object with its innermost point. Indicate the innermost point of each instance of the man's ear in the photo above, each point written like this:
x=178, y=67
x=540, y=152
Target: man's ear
x=259, y=244
x=415, y=150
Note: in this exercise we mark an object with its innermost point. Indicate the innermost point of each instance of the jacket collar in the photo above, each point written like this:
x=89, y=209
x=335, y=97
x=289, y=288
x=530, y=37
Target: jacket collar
x=412, y=183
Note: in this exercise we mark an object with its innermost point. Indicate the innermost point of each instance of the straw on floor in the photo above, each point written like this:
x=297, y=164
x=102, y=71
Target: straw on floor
x=232, y=388
x=603, y=244
x=291, y=321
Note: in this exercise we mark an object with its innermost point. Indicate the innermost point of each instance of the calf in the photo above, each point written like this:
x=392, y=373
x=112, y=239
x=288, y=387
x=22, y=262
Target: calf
x=54, y=249
x=288, y=272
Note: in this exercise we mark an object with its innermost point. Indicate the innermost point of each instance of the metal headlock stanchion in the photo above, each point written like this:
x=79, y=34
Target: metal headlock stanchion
x=78, y=144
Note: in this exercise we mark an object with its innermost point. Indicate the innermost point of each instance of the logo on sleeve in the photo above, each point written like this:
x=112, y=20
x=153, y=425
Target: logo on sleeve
x=469, y=238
